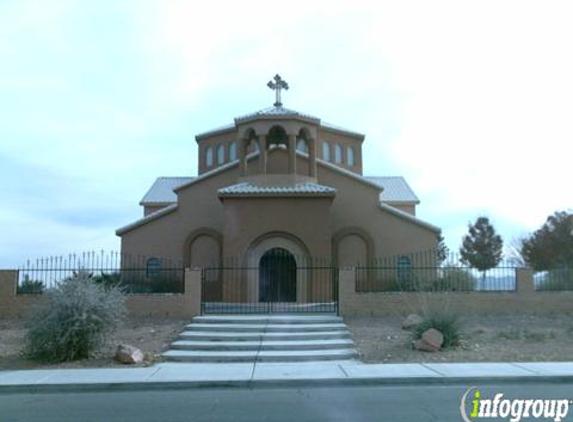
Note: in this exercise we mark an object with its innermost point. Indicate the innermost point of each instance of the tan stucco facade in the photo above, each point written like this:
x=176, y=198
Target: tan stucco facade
x=278, y=196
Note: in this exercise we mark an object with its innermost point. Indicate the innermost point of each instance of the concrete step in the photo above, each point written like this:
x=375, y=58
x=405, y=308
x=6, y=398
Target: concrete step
x=267, y=319
x=262, y=356
x=254, y=336
x=261, y=328
x=262, y=345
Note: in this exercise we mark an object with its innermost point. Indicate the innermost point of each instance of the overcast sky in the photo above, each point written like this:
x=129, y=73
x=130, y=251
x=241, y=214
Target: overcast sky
x=472, y=102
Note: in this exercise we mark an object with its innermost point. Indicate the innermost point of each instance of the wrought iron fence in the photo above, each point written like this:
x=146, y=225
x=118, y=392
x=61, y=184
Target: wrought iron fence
x=277, y=282
x=430, y=272
x=557, y=279
x=133, y=274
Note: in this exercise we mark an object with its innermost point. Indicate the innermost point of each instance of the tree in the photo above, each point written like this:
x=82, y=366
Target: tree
x=443, y=250
x=551, y=246
x=481, y=247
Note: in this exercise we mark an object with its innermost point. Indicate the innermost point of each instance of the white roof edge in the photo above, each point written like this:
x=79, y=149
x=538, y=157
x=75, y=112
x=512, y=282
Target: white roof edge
x=221, y=129
x=213, y=172
x=335, y=128
x=353, y=175
x=150, y=217
x=404, y=215
x=401, y=202
x=153, y=203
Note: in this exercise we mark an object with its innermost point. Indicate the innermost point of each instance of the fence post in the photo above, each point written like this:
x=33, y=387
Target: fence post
x=346, y=289
x=524, y=281
x=193, y=290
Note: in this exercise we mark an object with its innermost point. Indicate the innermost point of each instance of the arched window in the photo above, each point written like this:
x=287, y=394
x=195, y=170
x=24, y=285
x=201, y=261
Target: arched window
x=326, y=151
x=404, y=268
x=153, y=267
x=220, y=155
x=209, y=157
x=232, y=151
x=350, y=156
x=301, y=146
x=338, y=154
x=253, y=146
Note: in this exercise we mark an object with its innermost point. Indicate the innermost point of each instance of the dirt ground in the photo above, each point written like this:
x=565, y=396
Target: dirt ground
x=503, y=338
x=151, y=335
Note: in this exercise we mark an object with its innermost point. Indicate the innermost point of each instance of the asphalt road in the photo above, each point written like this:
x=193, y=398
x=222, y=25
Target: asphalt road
x=348, y=404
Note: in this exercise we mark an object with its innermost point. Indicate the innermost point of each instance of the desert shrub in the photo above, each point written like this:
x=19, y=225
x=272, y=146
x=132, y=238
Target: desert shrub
x=29, y=286
x=109, y=279
x=448, y=325
x=75, y=320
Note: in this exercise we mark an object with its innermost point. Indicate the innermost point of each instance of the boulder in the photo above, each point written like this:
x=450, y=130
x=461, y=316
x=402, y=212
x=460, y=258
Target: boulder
x=431, y=341
x=128, y=354
x=411, y=321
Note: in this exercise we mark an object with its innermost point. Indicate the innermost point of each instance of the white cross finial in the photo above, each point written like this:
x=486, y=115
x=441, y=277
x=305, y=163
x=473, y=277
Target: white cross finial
x=277, y=85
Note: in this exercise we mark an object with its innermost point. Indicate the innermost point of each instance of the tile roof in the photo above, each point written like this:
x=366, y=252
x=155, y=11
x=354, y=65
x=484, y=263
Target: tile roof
x=161, y=192
x=276, y=112
x=396, y=189
x=300, y=188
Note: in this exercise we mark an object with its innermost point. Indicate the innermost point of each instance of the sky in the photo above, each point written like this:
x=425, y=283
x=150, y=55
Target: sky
x=470, y=101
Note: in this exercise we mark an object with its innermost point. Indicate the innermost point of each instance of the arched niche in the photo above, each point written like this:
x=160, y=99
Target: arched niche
x=294, y=246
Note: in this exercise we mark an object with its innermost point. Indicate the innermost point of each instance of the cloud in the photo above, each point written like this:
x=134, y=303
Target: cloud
x=471, y=102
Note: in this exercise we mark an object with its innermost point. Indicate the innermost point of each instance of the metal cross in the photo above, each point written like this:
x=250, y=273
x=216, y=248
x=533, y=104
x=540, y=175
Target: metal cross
x=277, y=85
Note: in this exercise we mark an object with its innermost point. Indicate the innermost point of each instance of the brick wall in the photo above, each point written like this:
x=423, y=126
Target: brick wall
x=188, y=304
x=524, y=300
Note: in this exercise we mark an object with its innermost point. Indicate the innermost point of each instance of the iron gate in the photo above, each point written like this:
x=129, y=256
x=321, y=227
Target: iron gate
x=276, y=285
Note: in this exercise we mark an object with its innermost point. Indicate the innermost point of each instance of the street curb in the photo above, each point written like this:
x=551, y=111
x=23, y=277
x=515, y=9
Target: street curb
x=289, y=383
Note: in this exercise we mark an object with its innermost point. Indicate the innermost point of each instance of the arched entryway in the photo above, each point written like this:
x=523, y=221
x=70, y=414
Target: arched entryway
x=277, y=276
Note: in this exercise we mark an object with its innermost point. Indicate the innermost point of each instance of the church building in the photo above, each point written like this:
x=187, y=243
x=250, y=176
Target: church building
x=278, y=180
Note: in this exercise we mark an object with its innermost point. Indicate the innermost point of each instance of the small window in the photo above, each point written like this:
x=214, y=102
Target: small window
x=326, y=151
x=209, y=157
x=232, y=151
x=153, y=267
x=404, y=268
x=350, y=156
x=338, y=154
x=220, y=155
x=301, y=146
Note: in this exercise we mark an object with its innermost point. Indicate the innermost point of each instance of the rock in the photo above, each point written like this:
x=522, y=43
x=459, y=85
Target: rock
x=431, y=341
x=128, y=354
x=411, y=321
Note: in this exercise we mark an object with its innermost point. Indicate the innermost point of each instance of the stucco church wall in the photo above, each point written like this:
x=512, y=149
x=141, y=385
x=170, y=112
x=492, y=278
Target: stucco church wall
x=357, y=205
x=334, y=138
x=247, y=219
x=410, y=209
x=198, y=207
x=224, y=139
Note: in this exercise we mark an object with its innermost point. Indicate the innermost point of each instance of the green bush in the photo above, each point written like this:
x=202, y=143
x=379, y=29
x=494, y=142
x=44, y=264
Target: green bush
x=75, y=320
x=29, y=286
x=448, y=325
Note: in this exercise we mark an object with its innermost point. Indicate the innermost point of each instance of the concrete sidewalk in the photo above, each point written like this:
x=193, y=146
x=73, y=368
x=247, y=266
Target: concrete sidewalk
x=193, y=375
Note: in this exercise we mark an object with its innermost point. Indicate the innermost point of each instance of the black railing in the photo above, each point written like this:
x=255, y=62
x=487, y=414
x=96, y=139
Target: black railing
x=133, y=274
x=277, y=282
x=431, y=272
x=558, y=279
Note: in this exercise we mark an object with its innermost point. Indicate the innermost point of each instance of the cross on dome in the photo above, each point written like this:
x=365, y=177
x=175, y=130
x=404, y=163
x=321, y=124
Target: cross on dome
x=277, y=85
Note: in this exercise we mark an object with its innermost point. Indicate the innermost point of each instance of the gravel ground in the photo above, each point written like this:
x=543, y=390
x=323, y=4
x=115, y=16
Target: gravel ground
x=151, y=335
x=503, y=338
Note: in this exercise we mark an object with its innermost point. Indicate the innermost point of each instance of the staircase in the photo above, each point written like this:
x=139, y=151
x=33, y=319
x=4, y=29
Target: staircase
x=263, y=338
